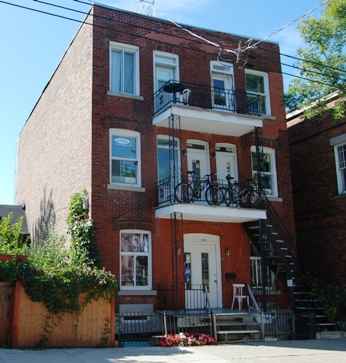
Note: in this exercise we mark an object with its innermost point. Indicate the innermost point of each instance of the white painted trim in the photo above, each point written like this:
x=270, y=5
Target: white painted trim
x=167, y=137
x=133, y=49
x=205, y=213
x=225, y=144
x=149, y=254
x=169, y=55
x=132, y=133
x=338, y=173
x=266, y=87
x=125, y=187
x=215, y=240
x=214, y=120
x=272, y=152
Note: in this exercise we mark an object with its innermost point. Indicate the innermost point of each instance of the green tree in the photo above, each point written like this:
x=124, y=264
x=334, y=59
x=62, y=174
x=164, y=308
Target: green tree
x=324, y=60
x=11, y=240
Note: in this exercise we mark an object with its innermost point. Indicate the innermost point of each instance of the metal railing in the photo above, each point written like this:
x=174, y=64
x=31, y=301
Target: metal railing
x=208, y=190
x=195, y=298
x=203, y=96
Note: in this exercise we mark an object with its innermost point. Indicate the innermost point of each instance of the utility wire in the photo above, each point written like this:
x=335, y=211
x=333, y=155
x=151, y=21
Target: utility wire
x=303, y=69
x=178, y=25
x=316, y=81
x=104, y=27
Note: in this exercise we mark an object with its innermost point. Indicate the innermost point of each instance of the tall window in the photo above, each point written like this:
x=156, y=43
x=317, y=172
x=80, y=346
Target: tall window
x=222, y=85
x=257, y=276
x=166, y=68
x=124, y=69
x=340, y=158
x=135, y=259
x=257, y=92
x=125, y=165
x=266, y=166
x=165, y=161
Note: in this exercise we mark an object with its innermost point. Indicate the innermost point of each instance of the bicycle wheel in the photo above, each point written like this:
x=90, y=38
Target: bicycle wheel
x=232, y=196
x=214, y=195
x=183, y=193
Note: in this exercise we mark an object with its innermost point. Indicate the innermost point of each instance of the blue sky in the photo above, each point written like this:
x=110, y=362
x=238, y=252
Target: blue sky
x=32, y=44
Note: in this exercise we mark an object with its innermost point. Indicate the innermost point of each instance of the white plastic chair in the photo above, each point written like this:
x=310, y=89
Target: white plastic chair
x=185, y=96
x=239, y=296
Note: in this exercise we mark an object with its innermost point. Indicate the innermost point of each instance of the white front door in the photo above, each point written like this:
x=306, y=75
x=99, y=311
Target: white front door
x=198, y=158
x=226, y=161
x=202, y=271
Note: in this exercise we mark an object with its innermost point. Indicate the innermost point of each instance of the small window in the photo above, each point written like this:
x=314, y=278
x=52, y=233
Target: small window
x=135, y=259
x=124, y=69
x=125, y=157
x=266, y=165
x=340, y=158
x=257, y=92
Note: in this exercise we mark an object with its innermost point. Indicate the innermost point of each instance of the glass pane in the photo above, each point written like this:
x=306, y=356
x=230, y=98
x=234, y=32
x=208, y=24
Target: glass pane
x=254, y=83
x=165, y=60
x=135, y=242
x=343, y=179
x=127, y=271
x=219, y=92
x=165, y=165
x=187, y=271
x=256, y=104
x=267, y=182
x=342, y=156
x=205, y=270
x=124, y=147
x=142, y=263
x=129, y=73
x=116, y=71
x=265, y=162
x=124, y=172
x=165, y=74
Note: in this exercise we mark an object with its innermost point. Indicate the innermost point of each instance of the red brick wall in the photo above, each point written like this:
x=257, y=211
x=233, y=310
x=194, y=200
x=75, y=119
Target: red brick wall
x=114, y=210
x=320, y=213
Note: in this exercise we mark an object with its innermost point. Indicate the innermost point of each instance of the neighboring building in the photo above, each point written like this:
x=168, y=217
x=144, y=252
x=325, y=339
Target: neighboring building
x=105, y=123
x=17, y=213
x=318, y=164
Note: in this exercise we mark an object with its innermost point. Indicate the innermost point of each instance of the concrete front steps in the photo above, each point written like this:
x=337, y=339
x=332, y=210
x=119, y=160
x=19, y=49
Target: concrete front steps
x=234, y=327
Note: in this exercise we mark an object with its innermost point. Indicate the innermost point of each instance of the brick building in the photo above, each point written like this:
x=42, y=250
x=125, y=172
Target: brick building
x=138, y=112
x=318, y=156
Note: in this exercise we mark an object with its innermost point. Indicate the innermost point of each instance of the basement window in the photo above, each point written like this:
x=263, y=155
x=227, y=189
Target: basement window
x=135, y=260
x=340, y=159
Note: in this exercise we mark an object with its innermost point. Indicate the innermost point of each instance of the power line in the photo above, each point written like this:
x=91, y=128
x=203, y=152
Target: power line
x=303, y=69
x=71, y=9
x=137, y=35
x=314, y=80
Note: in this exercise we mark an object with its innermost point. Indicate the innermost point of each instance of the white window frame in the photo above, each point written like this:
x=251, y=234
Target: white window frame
x=157, y=54
x=267, y=150
x=266, y=88
x=166, y=137
x=132, y=49
x=256, y=263
x=149, y=254
x=339, y=177
x=131, y=133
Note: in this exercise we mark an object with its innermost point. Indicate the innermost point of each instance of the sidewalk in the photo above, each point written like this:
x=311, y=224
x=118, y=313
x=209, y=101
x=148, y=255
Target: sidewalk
x=321, y=351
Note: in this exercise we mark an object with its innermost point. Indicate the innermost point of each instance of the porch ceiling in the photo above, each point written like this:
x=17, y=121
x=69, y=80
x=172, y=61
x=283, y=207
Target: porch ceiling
x=204, y=213
x=209, y=121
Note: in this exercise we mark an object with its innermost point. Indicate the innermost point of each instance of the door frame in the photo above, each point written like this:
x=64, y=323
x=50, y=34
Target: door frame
x=207, y=153
x=226, y=144
x=215, y=240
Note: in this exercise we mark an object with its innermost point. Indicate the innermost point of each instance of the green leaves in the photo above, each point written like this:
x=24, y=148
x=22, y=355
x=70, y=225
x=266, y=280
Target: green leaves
x=54, y=274
x=11, y=241
x=323, y=53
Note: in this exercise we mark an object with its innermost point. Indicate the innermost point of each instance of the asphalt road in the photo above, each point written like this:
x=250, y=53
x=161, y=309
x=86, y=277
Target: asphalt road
x=321, y=351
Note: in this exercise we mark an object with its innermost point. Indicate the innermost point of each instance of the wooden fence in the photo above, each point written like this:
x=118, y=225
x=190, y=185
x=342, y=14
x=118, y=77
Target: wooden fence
x=33, y=325
x=5, y=312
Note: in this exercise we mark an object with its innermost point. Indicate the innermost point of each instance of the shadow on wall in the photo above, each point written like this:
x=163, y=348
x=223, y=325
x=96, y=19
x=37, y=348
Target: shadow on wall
x=45, y=223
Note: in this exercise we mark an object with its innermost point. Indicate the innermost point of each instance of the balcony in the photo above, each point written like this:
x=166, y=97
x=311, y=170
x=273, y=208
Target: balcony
x=209, y=110
x=209, y=200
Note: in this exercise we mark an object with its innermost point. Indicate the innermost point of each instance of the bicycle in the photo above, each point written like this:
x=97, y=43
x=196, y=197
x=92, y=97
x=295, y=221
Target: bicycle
x=231, y=192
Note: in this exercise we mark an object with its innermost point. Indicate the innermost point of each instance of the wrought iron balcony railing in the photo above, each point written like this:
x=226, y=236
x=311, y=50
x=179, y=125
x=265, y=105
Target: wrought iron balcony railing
x=209, y=191
x=207, y=97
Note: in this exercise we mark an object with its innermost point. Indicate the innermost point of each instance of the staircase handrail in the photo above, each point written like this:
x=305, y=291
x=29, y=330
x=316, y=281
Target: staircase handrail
x=253, y=299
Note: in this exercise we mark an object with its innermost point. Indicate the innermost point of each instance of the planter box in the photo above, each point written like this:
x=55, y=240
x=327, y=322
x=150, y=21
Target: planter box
x=331, y=335
x=5, y=312
x=94, y=327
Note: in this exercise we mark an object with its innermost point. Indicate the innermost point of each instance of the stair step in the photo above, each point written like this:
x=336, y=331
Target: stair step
x=279, y=241
x=238, y=332
x=326, y=324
